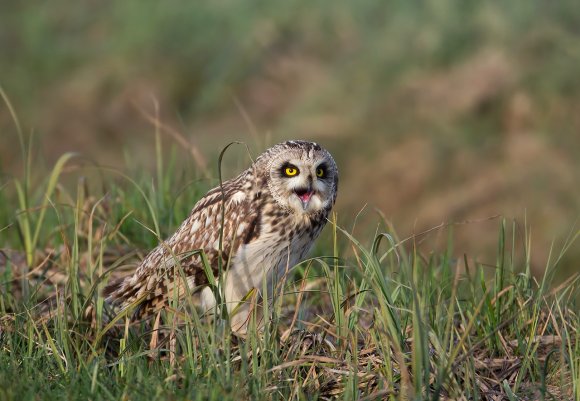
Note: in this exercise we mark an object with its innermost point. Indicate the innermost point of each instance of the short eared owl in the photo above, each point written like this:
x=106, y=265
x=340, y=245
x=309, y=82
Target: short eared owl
x=272, y=213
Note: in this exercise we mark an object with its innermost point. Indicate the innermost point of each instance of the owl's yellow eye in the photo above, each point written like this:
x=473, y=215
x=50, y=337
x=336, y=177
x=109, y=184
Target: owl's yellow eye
x=320, y=172
x=290, y=171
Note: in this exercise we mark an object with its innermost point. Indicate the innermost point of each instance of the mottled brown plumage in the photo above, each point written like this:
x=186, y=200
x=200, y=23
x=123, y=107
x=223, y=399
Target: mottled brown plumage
x=273, y=212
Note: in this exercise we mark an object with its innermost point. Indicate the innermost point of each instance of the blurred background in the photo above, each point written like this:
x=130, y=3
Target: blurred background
x=436, y=111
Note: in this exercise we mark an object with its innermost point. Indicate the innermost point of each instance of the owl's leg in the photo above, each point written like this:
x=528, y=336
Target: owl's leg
x=208, y=301
x=242, y=303
x=239, y=308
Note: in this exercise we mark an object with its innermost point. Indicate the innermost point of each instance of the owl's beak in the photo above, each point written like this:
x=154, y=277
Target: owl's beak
x=304, y=194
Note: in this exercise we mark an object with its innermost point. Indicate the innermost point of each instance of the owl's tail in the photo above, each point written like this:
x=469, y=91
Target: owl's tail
x=115, y=293
x=127, y=292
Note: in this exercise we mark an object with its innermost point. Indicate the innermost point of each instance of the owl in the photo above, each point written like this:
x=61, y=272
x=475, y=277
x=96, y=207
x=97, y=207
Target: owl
x=250, y=230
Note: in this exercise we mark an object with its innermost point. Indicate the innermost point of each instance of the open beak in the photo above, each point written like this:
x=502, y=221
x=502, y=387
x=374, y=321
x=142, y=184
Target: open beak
x=304, y=194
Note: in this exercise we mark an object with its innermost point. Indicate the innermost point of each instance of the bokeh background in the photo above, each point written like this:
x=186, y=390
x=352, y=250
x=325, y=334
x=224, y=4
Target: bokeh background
x=436, y=111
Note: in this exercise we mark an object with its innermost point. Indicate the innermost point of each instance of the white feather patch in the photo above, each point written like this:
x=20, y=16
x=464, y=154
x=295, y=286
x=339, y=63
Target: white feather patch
x=194, y=227
x=238, y=197
x=241, y=229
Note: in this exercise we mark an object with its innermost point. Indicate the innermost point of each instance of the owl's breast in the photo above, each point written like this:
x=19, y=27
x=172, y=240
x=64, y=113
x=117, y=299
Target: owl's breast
x=284, y=241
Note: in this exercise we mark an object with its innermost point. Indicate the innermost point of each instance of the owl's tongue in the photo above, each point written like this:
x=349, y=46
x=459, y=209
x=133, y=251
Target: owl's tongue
x=304, y=195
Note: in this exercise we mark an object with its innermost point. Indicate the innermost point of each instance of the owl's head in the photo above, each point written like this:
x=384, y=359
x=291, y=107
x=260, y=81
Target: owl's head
x=302, y=176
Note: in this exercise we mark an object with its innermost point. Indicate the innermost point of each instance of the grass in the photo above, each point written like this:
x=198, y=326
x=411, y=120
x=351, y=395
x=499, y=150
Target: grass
x=366, y=318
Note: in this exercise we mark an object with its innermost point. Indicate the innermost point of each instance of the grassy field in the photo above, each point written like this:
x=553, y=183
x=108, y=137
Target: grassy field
x=367, y=318
x=436, y=111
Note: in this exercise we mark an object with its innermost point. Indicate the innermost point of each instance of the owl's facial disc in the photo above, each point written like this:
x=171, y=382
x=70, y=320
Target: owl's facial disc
x=302, y=177
x=303, y=186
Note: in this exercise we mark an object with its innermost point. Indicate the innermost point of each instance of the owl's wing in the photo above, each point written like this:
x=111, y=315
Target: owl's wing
x=158, y=277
